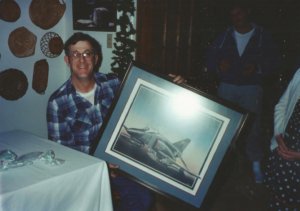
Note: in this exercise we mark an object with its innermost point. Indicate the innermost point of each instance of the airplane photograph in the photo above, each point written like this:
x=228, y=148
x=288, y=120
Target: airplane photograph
x=150, y=148
x=159, y=137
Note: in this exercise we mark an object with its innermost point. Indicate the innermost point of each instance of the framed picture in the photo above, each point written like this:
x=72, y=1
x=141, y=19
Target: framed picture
x=171, y=138
x=94, y=15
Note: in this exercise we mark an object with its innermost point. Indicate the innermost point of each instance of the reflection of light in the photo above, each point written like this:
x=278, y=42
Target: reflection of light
x=185, y=104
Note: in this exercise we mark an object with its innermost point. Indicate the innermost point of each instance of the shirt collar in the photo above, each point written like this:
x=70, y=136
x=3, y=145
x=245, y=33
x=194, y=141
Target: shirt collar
x=71, y=89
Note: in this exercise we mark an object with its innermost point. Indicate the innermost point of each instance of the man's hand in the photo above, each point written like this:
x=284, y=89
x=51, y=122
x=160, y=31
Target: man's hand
x=284, y=151
x=112, y=170
x=249, y=69
x=178, y=79
x=224, y=65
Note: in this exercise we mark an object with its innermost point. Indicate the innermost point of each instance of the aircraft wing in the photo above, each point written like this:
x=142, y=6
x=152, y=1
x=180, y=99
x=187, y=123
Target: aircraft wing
x=183, y=168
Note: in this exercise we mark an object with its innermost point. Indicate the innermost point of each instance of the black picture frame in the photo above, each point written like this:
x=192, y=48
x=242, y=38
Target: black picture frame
x=94, y=15
x=168, y=137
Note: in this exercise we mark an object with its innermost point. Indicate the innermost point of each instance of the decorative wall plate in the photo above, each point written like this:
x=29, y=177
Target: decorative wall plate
x=13, y=84
x=22, y=42
x=46, y=13
x=40, y=76
x=9, y=10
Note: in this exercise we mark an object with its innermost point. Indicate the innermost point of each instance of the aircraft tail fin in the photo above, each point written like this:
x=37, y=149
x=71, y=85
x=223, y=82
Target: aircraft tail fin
x=182, y=144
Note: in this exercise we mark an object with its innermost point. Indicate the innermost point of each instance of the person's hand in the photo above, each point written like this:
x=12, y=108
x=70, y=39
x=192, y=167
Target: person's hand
x=284, y=151
x=249, y=69
x=224, y=65
x=178, y=79
x=113, y=168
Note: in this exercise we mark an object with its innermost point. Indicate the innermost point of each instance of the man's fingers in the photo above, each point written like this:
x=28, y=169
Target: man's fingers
x=177, y=78
x=113, y=166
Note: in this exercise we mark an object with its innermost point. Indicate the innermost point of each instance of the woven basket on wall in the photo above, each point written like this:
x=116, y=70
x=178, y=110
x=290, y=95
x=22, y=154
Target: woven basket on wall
x=46, y=13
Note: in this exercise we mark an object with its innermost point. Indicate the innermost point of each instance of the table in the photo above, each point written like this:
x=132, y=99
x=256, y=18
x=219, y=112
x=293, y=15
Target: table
x=80, y=183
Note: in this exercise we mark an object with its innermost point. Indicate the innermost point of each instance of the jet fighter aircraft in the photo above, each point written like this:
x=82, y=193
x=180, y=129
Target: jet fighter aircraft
x=158, y=148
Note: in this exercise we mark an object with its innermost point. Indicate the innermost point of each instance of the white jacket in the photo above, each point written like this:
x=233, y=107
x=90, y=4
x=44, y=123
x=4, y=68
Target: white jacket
x=284, y=108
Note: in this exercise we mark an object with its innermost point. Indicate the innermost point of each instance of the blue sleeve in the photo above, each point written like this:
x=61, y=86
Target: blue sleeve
x=212, y=55
x=58, y=129
x=114, y=82
x=270, y=58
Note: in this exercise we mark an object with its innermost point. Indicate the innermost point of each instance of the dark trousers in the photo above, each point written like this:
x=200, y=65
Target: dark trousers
x=131, y=196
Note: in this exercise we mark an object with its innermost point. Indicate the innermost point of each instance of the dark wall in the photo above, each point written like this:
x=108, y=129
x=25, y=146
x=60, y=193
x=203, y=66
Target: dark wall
x=279, y=17
x=173, y=36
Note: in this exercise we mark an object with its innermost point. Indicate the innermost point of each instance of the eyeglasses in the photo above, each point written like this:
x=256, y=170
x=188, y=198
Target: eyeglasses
x=86, y=54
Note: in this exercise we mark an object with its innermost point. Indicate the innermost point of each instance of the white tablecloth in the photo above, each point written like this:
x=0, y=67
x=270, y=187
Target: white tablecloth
x=81, y=183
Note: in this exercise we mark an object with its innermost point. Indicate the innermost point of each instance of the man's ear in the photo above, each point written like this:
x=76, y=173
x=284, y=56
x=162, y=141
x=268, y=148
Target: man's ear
x=66, y=58
x=96, y=59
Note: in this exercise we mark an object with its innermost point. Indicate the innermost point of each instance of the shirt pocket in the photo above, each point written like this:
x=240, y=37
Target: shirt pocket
x=80, y=123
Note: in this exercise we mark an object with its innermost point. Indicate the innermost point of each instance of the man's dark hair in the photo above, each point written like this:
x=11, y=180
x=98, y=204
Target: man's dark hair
x=238, y=4
x=79, y=36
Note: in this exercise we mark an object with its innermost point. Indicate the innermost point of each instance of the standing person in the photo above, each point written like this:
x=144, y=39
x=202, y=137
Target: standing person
x=282, y=174
x=77, y=109
x=241, y=57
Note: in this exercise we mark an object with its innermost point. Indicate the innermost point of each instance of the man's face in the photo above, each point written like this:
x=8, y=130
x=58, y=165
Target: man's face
x=81, y=60
x=239, y=17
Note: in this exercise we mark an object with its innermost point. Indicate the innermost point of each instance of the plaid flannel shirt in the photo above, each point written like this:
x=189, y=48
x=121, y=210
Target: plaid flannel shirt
x=75, y=122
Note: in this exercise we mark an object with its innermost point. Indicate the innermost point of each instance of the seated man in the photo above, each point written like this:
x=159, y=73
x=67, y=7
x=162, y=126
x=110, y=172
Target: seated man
x=77, y=109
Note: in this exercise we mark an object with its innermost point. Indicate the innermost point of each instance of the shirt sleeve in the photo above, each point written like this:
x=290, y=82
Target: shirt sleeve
x=114, y=82
x=212, y=56
x=280, y=112
x=284, y=108
x=58, y=129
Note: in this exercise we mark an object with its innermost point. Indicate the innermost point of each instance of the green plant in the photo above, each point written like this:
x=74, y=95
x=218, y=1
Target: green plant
x=124, y=45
